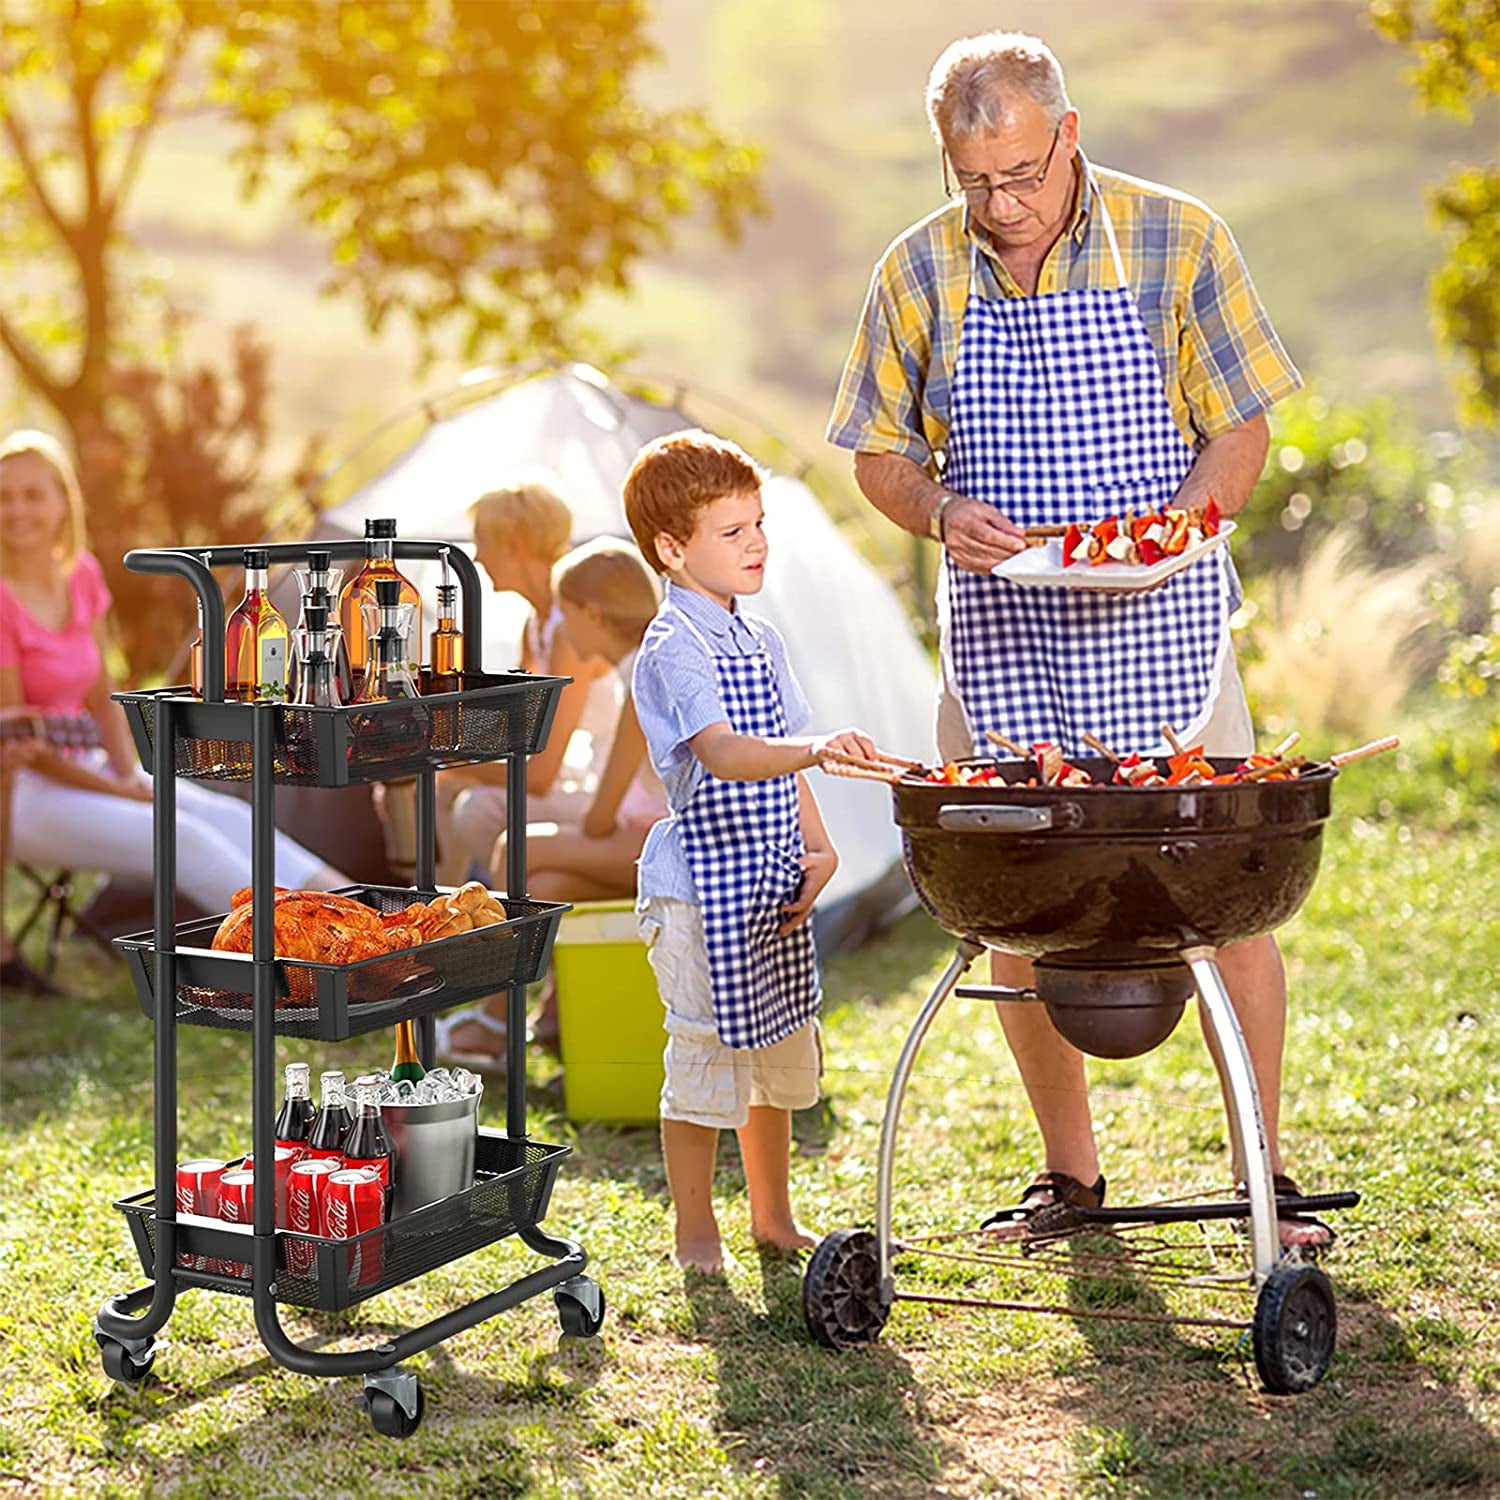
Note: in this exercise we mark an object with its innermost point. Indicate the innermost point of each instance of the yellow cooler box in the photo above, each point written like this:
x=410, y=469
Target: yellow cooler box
x=609, y=1016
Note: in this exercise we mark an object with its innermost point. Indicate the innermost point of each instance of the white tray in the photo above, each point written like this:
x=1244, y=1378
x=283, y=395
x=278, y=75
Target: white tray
x=1042, y=567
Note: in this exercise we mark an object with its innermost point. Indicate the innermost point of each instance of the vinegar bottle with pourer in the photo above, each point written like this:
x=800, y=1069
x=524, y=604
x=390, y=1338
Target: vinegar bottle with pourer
x=319, y=585
x=317, y=676
x=359, y=593
x=446, y=663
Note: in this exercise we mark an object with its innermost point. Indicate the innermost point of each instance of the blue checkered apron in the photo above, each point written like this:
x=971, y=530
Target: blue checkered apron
x=743, y=841
x=1059, y=414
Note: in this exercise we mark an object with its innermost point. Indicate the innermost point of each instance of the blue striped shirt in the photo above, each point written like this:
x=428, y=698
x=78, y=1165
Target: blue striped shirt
x=676, y=694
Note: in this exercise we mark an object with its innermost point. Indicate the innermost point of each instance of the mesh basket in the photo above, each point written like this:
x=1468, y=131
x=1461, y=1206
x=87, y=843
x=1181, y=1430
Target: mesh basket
x=512, y=1187
x=496, y=714
x=335, y=1001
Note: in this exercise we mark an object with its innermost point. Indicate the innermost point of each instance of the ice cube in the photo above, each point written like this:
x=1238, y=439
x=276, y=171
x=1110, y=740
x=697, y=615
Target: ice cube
x=426, y=1091
x=465, y=1082
x=405, y=1091
x=440, y=1074
x=443, y=1093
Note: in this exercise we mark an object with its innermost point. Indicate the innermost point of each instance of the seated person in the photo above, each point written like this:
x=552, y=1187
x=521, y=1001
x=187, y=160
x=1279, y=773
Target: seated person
x=91, y=809
x=520, y=532
x=607, y=597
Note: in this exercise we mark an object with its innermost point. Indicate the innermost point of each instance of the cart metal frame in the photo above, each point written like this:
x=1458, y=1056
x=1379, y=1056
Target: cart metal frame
x=126, y=1324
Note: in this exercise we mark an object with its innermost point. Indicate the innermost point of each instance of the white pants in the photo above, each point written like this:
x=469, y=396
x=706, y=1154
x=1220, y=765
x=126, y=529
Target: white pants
x=706, y=1082
x=57, y=825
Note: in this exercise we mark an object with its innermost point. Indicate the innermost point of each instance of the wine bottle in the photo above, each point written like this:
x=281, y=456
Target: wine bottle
x=256, y=639
x=407, y=1064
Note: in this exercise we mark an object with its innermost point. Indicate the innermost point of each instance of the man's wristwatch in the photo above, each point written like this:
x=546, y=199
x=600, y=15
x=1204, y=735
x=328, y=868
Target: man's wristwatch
x=935, y=517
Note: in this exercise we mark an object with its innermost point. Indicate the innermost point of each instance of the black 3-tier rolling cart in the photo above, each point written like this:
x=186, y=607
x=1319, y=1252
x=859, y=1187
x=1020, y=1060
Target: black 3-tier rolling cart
x=494, y=716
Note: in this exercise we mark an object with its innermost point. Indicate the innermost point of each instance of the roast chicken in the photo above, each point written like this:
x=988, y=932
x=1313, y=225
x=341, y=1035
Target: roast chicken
x=324, y=928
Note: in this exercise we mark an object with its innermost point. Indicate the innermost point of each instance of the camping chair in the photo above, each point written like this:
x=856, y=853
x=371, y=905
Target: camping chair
x=55, y=904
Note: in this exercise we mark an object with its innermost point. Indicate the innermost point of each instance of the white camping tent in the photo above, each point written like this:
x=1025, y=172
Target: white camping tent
x=851, y=644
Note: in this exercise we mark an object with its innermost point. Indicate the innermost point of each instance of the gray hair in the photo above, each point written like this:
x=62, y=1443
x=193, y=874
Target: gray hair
x=970, y=88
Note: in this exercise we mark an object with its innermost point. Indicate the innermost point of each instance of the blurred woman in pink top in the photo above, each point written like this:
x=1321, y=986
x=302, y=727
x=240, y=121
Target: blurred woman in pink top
x=88, y=808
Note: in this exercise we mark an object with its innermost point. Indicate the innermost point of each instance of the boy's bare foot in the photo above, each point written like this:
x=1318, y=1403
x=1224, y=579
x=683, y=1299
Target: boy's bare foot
x=783, y=1239
x=707, y=1257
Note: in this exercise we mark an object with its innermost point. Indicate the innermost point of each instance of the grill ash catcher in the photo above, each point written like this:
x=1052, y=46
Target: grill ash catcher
x=1121, y=897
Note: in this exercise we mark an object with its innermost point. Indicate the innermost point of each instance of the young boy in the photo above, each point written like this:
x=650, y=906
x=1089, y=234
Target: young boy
x=727, y=881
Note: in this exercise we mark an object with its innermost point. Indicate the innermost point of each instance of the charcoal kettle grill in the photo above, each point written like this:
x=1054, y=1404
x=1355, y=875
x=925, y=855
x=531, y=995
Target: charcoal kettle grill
x=1121, y=897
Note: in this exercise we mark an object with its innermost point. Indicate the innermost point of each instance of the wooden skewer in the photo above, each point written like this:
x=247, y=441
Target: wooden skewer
x=1099, y=745
x=1170, y=736
x=899, y=760
x=1259, y=773
x=867, y=771
x=996, y=738
x=1375, y=747
x=849, y=773
x=1041, y=533
x=1285, y=746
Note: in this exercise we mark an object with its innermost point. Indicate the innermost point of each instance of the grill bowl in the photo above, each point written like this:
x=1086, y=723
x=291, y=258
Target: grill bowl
x=1112, y=877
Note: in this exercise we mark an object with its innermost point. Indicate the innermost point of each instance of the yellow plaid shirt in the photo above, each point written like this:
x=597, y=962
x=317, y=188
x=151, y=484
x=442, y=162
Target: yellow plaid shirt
x=1222, y=363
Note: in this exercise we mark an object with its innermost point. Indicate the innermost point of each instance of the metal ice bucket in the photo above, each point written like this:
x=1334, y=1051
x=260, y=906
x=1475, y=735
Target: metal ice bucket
x=434, y=1146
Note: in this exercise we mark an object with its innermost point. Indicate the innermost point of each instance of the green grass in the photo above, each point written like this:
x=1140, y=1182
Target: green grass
x=1392, y=1060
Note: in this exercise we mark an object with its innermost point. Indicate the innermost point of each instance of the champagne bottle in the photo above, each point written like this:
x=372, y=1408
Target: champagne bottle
x=256, y=639
x=407, y=1064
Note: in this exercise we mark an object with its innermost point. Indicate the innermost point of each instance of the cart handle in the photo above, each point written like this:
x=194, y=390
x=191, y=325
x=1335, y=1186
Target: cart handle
x=188, y=563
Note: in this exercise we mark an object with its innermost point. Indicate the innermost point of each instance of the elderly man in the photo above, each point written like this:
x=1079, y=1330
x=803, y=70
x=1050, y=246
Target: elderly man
x=1063, y=342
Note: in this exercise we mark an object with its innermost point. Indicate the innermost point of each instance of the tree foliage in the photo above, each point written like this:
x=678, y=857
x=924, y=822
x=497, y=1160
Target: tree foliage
x=475, y=165
x=478, y=167
x=1457, y=46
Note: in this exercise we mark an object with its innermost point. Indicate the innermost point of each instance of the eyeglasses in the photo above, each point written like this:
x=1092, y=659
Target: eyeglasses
x=978, y=195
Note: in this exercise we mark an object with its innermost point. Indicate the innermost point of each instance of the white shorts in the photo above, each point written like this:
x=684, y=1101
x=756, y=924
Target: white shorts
x=708, y=1083
x=1228, y=731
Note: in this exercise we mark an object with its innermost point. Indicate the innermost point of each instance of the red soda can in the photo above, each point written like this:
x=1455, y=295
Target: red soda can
x=237, y=1206
x=304, y=1212
x=198, y=1193
x=287, y=1157
x=353, y=1202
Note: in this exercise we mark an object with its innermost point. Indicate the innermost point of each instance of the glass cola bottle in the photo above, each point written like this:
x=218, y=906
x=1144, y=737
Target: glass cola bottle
x=367, y=1144
x=326, y=1140
x=294, y=1122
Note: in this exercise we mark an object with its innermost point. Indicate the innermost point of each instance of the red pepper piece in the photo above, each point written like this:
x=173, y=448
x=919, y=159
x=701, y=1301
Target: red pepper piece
x=1150, y=551
x=1211, y=517
x=1072, y=541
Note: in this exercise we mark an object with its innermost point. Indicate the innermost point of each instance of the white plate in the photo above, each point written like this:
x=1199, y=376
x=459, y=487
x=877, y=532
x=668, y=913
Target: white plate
x=1042, y=567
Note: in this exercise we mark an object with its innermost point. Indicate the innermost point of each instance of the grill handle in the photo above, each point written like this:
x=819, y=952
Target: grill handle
x=1000, y=817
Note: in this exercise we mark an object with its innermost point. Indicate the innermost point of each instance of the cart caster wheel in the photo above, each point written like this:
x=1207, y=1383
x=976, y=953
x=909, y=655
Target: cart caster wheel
x=580, y=1306
x=389, y=1418
x=123, y=1365
x=841, y=1290
x=1295, y=1328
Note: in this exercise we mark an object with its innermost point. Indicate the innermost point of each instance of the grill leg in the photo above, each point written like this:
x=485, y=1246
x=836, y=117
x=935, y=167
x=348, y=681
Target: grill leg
x=957, y=968
x=1247, y=1126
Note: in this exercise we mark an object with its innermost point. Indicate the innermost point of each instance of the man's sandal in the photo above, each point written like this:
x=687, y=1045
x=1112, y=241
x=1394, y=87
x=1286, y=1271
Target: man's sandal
x=1284, y=1187
x=447, y=1025
x=1044, y=1207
